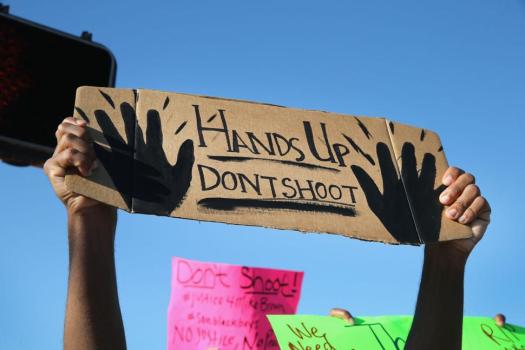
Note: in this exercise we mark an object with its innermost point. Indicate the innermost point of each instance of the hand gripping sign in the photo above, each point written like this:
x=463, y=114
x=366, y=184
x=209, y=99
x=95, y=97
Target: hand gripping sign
x=247, y=163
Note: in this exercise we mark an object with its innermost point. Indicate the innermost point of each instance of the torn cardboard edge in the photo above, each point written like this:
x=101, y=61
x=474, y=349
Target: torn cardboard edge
x=125, y=123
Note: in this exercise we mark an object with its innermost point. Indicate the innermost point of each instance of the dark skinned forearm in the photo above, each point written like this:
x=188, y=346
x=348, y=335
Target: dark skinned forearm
x=93, y=319
x=438, y=318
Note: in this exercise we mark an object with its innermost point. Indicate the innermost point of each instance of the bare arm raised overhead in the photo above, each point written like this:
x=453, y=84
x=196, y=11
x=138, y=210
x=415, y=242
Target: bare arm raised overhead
x=93, y=319
x=439, y=312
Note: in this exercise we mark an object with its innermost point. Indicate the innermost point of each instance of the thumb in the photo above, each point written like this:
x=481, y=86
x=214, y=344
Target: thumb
x=479, y=226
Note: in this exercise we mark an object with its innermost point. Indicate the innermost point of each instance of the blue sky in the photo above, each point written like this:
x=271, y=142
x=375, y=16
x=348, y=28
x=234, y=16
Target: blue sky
x=455, y=67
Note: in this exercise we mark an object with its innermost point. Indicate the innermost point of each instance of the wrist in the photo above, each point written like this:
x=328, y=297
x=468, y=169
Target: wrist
x=91, y=224
x=445, y=254
x=97, y=212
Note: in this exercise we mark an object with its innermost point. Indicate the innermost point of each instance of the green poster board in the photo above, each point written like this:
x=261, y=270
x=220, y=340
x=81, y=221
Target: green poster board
x=305, y=332
x=483, y=333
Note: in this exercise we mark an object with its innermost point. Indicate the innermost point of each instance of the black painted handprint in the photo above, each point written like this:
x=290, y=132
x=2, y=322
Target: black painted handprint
x=139, y=168
x=118, y=158
x=420, y=190
x=391, y=206
x=163, y=191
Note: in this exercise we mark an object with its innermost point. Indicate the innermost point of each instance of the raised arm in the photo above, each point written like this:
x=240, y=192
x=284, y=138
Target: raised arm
x=439, y=312
x=93, y=319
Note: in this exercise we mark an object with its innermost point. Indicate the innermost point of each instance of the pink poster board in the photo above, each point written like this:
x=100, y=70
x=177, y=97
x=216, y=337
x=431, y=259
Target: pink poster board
x=224, y=306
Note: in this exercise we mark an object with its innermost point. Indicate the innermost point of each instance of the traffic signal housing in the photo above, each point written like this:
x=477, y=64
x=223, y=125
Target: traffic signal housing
x=40, y=70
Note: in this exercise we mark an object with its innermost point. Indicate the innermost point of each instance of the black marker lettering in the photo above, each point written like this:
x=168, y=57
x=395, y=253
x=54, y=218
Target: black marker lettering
x=201, y=128
x=285, y=182
x=335, y=189
x=320, y=190
x=341, y=151
x=210, y=171
x=310, y=189
x=300, y=153
x=233, y=181
x=268, y=148
x=311, y=143
x=238, y=142
x=271, y=179
x=351, y=190
x=255, y=185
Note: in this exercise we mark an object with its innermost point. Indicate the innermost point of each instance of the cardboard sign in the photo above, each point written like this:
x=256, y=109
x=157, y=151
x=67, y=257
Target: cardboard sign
x=246, y=163
x=225, y=306
x=383, y=333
